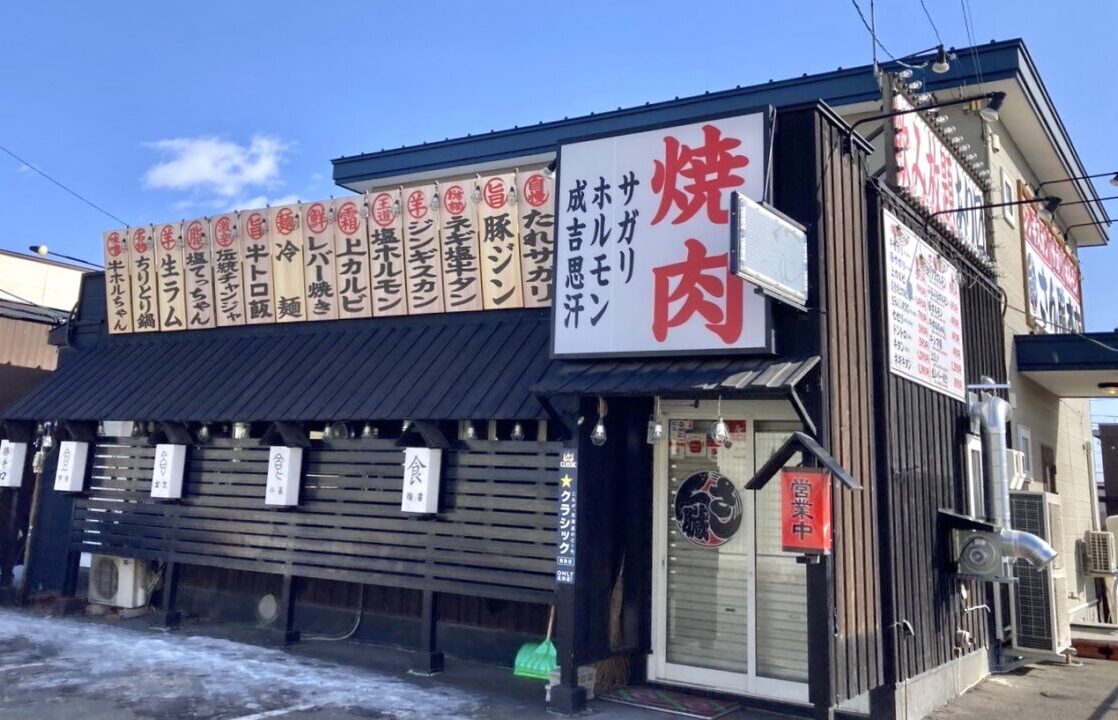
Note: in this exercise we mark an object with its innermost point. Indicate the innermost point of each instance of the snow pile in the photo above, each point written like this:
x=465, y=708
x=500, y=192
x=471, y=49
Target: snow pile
x=199, y=677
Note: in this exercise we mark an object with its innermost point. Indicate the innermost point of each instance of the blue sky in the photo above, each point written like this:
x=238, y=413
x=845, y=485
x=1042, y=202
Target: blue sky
x=171, y=110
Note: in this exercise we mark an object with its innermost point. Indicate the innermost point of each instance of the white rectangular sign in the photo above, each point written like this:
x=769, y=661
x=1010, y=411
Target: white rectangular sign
x=167, y=471
x=285, y=465
x=770, y=250
x=70, y=476
x=420, y=493
x=929, y=173
x=1052, y=282
x=13, y=457
x=642, y=241
x=925, y=323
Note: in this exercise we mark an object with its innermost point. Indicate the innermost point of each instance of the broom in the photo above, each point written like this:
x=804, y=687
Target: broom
x=537, y=661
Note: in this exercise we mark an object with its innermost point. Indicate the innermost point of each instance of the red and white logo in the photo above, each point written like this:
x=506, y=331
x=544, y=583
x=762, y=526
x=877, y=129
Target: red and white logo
x=384, y=209
x=285, y=221
x=113, y=245
x=316, y=218
x=495, y=194
x=195, y=236
x=417, y=204
x=454, y=199
x=535, y=190
x=223, y=231
x=347, y=218
x=255, y=225
x=140, y=240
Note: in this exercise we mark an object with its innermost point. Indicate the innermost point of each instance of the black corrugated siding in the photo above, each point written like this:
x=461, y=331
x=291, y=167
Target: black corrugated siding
x=923, y=469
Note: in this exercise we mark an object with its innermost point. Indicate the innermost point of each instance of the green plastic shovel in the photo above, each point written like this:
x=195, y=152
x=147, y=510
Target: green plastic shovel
x=537, y=661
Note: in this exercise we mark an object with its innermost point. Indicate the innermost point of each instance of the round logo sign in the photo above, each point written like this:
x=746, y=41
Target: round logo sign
x=317, y=218
x=708, y=509
x=347, y=217
x=384, y=210
x=454, y=199
x=195, y=236
x=113, y=244
x=494, y=193
x=535, y=190
x=140, y=240
x=255, y=226
x=223, y=231
x=417, y=204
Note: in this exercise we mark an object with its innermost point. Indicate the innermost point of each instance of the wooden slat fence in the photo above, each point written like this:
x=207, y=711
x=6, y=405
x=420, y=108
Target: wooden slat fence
x=495, y=536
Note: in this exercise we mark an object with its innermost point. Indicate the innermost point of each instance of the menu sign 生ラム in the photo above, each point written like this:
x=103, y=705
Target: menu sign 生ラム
x=1052, y=288
x=458, y=245
x=642, y=252
x=925, y=324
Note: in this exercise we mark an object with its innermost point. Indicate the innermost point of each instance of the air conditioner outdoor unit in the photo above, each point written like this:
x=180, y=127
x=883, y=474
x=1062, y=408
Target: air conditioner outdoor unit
x=119, y=582
x=1099, y=550
x=1017, y=478
x=1039, y=598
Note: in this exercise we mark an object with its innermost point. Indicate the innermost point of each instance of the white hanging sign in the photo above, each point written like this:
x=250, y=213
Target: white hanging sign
x=70, y=476
x=166, y=474
x=642, y=241
x=285, y=465
x=13, y=456
x=422, y=467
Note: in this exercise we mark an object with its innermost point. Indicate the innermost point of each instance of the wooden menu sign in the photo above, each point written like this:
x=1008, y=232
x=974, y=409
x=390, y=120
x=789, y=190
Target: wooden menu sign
x=535, y=191
x=351, y=253
x=169, y=276
x=259, y=293
x=386, y=255
x=499, y=225
x=118, y=286
x=227, y=259
x=461, y=256
x=286, y=246
x=319, y=274
x=421, y=251
x=142, y=269
x=484, y=243
x=197, y=258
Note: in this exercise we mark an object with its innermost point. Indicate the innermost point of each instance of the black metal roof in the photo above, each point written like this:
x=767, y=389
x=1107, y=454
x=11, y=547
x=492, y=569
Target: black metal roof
x=1067, y=352
x=33, y=313
x=729, y=374
x=475, y=365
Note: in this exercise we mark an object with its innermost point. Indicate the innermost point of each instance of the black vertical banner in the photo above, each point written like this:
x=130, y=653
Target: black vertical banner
x=568, y=518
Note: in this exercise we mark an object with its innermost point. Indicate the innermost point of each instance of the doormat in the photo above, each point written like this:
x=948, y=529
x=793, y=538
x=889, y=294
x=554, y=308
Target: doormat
x=668, y=701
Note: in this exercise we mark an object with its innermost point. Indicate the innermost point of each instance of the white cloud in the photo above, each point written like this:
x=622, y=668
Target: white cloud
x=213, y=165
x=260, y=201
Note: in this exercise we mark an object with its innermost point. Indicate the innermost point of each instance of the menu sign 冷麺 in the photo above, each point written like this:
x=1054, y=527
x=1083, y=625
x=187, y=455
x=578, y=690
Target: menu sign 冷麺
x=925, y=324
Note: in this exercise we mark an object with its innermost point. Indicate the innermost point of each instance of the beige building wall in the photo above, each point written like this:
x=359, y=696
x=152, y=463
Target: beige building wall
x=1044, y=426
x=39, y=281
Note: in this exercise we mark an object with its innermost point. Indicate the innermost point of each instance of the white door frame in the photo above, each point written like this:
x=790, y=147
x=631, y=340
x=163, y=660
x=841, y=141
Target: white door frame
x=659, y=669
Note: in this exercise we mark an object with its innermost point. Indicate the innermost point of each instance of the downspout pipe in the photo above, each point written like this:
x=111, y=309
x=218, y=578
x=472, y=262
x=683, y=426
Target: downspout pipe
x=993, y=414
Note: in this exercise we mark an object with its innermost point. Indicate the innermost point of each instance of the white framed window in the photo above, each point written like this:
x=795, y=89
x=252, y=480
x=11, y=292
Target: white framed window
x=1025, y=445
x=976, y=489
x=1009, y=194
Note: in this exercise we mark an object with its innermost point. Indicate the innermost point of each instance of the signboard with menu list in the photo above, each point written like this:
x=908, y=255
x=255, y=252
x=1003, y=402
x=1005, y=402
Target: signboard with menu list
x=925, y=324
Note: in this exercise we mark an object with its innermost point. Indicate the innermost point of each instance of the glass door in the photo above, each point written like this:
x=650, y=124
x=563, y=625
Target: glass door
x=708, y=540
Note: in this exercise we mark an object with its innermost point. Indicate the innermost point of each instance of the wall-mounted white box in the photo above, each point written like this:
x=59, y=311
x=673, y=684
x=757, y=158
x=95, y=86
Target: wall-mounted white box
x=167, y=471
x=13, y=458
x=70, y=476
x=285, y=465
x=422, y=469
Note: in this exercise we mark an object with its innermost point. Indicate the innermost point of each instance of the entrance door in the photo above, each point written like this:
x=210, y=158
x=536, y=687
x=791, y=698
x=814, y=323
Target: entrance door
x=728, y=605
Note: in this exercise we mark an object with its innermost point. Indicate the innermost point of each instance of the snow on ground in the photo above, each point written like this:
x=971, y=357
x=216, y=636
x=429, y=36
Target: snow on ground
x=177, y=675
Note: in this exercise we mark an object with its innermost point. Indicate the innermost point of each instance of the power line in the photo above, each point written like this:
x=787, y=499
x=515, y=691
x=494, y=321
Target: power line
x=932, y=22
x=968, y=25
x=84, y=199
x=870, y=30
